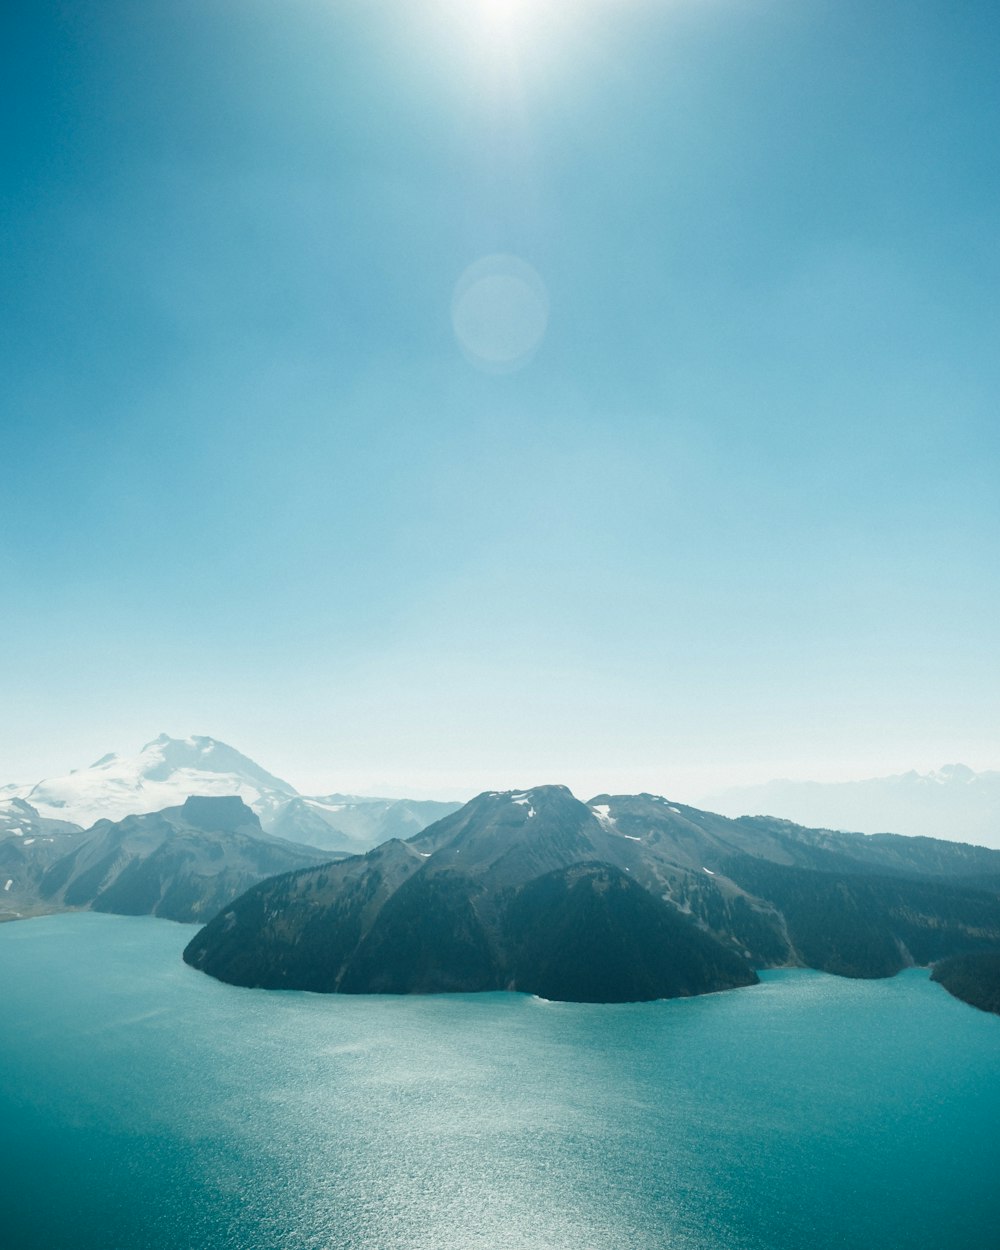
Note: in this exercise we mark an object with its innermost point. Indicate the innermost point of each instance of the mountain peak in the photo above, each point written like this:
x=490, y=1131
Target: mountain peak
x=955, y=772
x=163, y=774
x=165, y=755
x=218, y=812
x=541, y=794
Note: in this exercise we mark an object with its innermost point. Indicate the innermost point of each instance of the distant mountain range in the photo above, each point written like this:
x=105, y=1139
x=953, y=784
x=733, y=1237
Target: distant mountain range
x=167, y=771
x=953, y=803
x=625, y=897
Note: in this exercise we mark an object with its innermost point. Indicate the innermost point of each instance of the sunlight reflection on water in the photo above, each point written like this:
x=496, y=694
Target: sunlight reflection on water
x=149, y=1107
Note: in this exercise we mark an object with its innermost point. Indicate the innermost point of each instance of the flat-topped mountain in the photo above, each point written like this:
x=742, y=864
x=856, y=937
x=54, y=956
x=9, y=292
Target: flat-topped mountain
x=624, y=897
x=183, y=863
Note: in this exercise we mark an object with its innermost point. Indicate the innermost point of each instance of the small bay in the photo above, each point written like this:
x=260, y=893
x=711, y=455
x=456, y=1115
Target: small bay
x=145, y=1105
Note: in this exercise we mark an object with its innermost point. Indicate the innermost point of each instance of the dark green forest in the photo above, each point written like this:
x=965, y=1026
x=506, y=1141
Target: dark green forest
x=973, y=977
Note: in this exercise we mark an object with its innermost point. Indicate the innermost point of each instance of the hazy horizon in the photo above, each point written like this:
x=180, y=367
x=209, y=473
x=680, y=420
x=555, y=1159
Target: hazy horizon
x=585, y=787
x=435, y=398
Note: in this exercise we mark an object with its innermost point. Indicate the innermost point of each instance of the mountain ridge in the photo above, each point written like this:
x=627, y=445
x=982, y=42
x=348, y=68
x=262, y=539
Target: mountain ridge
x=953, y=802
x=183, y=863
x=450, y=908
x=168, y=770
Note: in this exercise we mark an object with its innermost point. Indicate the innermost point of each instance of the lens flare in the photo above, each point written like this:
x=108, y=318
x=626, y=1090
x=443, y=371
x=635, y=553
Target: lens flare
x=499, y=311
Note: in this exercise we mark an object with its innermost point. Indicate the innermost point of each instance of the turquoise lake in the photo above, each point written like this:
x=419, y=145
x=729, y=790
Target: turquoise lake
x=144, y=1105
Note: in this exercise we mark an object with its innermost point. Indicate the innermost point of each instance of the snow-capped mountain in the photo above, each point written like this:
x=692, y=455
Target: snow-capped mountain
x=164, y=773
x=167, y=771
x=954, y=803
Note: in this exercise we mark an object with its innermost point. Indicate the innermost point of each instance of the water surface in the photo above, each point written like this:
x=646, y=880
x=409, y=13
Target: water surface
x=144, y=1105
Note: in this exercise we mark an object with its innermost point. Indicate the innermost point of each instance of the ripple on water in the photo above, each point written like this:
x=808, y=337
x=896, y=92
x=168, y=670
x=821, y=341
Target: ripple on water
x=147, y=1105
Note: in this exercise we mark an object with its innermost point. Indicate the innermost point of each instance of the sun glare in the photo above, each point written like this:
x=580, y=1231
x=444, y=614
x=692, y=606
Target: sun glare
x=500, y=32
x=504, y=19
x=503, y=13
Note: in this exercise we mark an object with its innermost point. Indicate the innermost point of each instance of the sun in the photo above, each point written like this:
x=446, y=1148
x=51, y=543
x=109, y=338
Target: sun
x=504, y=14
x=503, y=39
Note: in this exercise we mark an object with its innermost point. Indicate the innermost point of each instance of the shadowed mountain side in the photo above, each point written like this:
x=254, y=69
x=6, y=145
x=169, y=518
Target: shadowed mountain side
x=890, y=853
x=183, y=863
x=298, y=930
x=870, y=925
x=974, y=978
x=29, y=845
x=628, y=896
x=585, y=933
x=591, y=934
x=438, y=933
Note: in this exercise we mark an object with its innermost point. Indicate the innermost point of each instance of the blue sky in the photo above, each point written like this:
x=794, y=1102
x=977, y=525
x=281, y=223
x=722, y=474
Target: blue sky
x=738, y=516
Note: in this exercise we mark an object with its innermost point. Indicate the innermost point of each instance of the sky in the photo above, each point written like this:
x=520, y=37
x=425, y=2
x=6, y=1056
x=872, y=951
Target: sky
x=446, y=395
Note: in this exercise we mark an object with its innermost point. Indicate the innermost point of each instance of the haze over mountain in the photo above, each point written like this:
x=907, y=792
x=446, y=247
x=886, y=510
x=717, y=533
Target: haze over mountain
x=627, y=896
x=183, y=863
x=953, y=803
x=169, y=770
x=29, y=845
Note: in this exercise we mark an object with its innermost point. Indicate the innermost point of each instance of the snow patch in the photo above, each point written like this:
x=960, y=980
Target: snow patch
x=10, y=882
x=709, y=871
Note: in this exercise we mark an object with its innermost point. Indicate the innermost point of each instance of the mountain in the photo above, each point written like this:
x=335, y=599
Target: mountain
x=514, y=891
x=29, y=845
x=164, y=773
x=344, y=822
x=974, y=978
x=168, y=770
x=627, y=896
x=952, y=803
x=184, y=863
